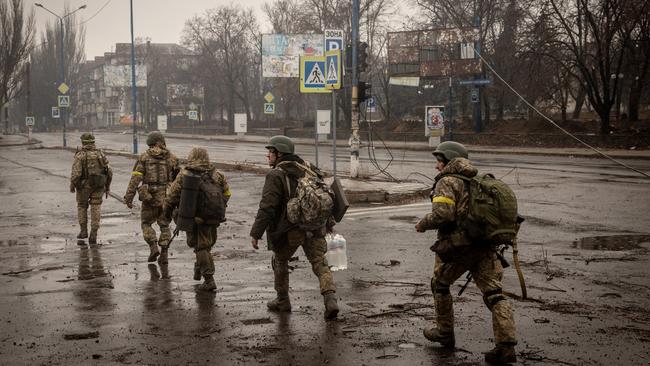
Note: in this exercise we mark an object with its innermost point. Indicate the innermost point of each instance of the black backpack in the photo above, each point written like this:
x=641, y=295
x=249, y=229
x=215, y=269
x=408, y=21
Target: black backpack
x=211, y=205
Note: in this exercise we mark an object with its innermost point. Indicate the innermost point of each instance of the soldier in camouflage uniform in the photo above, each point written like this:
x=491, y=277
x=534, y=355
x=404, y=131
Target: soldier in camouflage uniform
x=284, y=238
x=204, y=234
x=153, y=172
x=90, y=178
x=450, y=200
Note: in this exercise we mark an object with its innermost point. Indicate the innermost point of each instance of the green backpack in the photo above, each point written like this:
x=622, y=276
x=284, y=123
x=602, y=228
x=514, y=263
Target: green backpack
x=492, y=216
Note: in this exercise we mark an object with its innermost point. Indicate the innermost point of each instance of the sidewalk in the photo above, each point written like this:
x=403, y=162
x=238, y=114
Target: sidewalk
x=15, y=140
x=423, y=146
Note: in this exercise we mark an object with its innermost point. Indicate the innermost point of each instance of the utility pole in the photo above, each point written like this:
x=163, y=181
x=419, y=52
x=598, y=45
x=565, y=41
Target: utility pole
x=62, y=58
x=134, y=109
x=355, y=141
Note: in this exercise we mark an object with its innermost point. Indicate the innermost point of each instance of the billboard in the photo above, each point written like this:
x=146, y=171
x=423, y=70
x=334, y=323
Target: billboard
x=281, y=53
x=433, y=53
x=184, y=94
x=119, y=76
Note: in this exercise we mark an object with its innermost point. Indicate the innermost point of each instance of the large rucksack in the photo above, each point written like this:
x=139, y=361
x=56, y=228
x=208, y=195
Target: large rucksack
x=312, y=204
x=95, y=168
x=211, y=204
x=492, y=215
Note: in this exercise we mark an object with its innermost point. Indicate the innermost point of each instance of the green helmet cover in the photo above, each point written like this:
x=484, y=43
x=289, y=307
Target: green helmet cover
x=282, y=144
x=87, y=138
x=155, y=137
x=450, y=150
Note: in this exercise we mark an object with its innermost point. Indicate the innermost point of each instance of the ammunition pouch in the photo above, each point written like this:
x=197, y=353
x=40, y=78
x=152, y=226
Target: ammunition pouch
x=144, y=195
x=451, y=248
x=97, y=181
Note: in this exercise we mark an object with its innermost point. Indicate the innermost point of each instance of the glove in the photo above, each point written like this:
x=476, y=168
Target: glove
x=129, y=204
x=72, y=188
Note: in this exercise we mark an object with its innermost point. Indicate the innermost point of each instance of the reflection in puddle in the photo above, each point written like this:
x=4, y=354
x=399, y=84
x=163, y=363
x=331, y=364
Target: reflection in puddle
x=611, y=242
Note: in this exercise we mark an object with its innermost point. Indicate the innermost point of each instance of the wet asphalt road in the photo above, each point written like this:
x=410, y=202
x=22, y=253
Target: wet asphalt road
x=590, y=296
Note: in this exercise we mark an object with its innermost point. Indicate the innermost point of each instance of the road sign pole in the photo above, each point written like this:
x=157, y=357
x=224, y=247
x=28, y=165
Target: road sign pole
x=451, y=116
x=316, y=128
x=133, y=89
x=333, y=120
x=64, y=115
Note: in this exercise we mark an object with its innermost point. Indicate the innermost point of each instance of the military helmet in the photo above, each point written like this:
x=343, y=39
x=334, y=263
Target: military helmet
x=450, y=150
x=282, y=144
x=198, y=155
x=155, y=137
x=87, y=138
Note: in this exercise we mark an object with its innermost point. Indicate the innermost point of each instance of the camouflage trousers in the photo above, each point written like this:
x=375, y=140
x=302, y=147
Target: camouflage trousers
x=487, y=274
x=149, y=215
x=315, y=249
x=202, y=238
x=92, y=197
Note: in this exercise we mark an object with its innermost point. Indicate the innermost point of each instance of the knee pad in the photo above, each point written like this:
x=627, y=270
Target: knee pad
x=439, y=288
x=492, y=297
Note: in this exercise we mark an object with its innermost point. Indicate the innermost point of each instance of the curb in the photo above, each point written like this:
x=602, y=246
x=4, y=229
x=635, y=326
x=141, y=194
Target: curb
x=412, y=147
x=354, y=197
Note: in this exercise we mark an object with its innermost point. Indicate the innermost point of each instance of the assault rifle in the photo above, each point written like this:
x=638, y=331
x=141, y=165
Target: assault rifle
x=500, y=257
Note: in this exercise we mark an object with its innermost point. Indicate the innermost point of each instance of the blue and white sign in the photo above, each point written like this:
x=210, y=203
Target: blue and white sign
x=312, y=74
x=333, y=39
x=194, y=115
x=269, y=108
x=333, y=69
x=371, y=104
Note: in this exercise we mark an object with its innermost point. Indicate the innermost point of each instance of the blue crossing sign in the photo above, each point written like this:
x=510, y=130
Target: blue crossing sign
x=333, y=69
x=269, y=108
x=312, y=74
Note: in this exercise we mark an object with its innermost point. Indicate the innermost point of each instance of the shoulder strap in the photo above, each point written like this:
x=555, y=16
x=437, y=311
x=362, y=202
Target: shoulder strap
x=285, y=181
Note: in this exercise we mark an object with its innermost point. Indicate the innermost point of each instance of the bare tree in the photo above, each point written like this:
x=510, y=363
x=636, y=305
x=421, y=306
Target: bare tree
x=596, y=32
x=16, y=41
x=46, y=58
x=225, y=39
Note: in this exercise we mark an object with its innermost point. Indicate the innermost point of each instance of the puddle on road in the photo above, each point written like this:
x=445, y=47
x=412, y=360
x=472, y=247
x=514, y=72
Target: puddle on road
x=407, y=218
x=11, y=243
x=611, y=242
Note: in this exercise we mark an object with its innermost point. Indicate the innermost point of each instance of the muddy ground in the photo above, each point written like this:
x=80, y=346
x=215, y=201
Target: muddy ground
x=585, y=252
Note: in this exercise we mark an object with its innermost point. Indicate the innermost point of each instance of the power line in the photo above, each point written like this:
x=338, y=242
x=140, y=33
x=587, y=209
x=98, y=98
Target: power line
x=459, y=24
x=98, y=11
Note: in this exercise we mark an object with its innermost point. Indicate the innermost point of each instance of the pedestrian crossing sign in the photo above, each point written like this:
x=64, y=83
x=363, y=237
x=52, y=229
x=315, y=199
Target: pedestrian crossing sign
x=64, y=101
x=269, y=108
x=312, y=74
x=333, y=69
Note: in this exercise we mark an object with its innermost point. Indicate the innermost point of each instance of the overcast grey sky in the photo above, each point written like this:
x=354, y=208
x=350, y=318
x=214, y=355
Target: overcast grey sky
x=161, y=20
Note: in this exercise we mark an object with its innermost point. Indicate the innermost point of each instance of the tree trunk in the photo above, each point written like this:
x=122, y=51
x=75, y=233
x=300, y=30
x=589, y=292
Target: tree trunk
x=580, y=101
x=634, y=101
x=603, y=112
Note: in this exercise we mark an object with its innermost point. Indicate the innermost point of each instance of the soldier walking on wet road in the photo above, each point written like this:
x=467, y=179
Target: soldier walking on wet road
x=154, y=170
x=456, y=254
x=209, y=201
x=284, y=238
x=90, y=178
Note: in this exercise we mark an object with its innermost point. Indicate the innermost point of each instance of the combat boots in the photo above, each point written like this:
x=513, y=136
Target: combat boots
x=153, y=252
x=445, y=339
x=502, y=353
x=92, y=239
x=331, y=307
x=164, y=255
x=197, y=272
x=83, y=232
x=280, y=304
x=208, y=284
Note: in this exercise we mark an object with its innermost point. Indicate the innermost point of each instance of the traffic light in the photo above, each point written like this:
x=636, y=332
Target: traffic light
x=363, y=91
x=362, y=56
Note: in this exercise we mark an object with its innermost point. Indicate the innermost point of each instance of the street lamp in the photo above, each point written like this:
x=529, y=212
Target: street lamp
x=62, y=55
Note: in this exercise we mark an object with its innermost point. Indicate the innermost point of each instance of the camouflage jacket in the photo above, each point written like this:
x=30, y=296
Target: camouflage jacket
x=271, y=215
x=78, y=176
x=174, y=191
x=449, y=198
x=156, y=167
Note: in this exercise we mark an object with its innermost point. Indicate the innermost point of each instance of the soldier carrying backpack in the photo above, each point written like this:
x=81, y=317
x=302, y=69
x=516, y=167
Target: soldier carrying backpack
x=90, y=178
x=201, y=193
x=295, y=211
x=472, y=214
